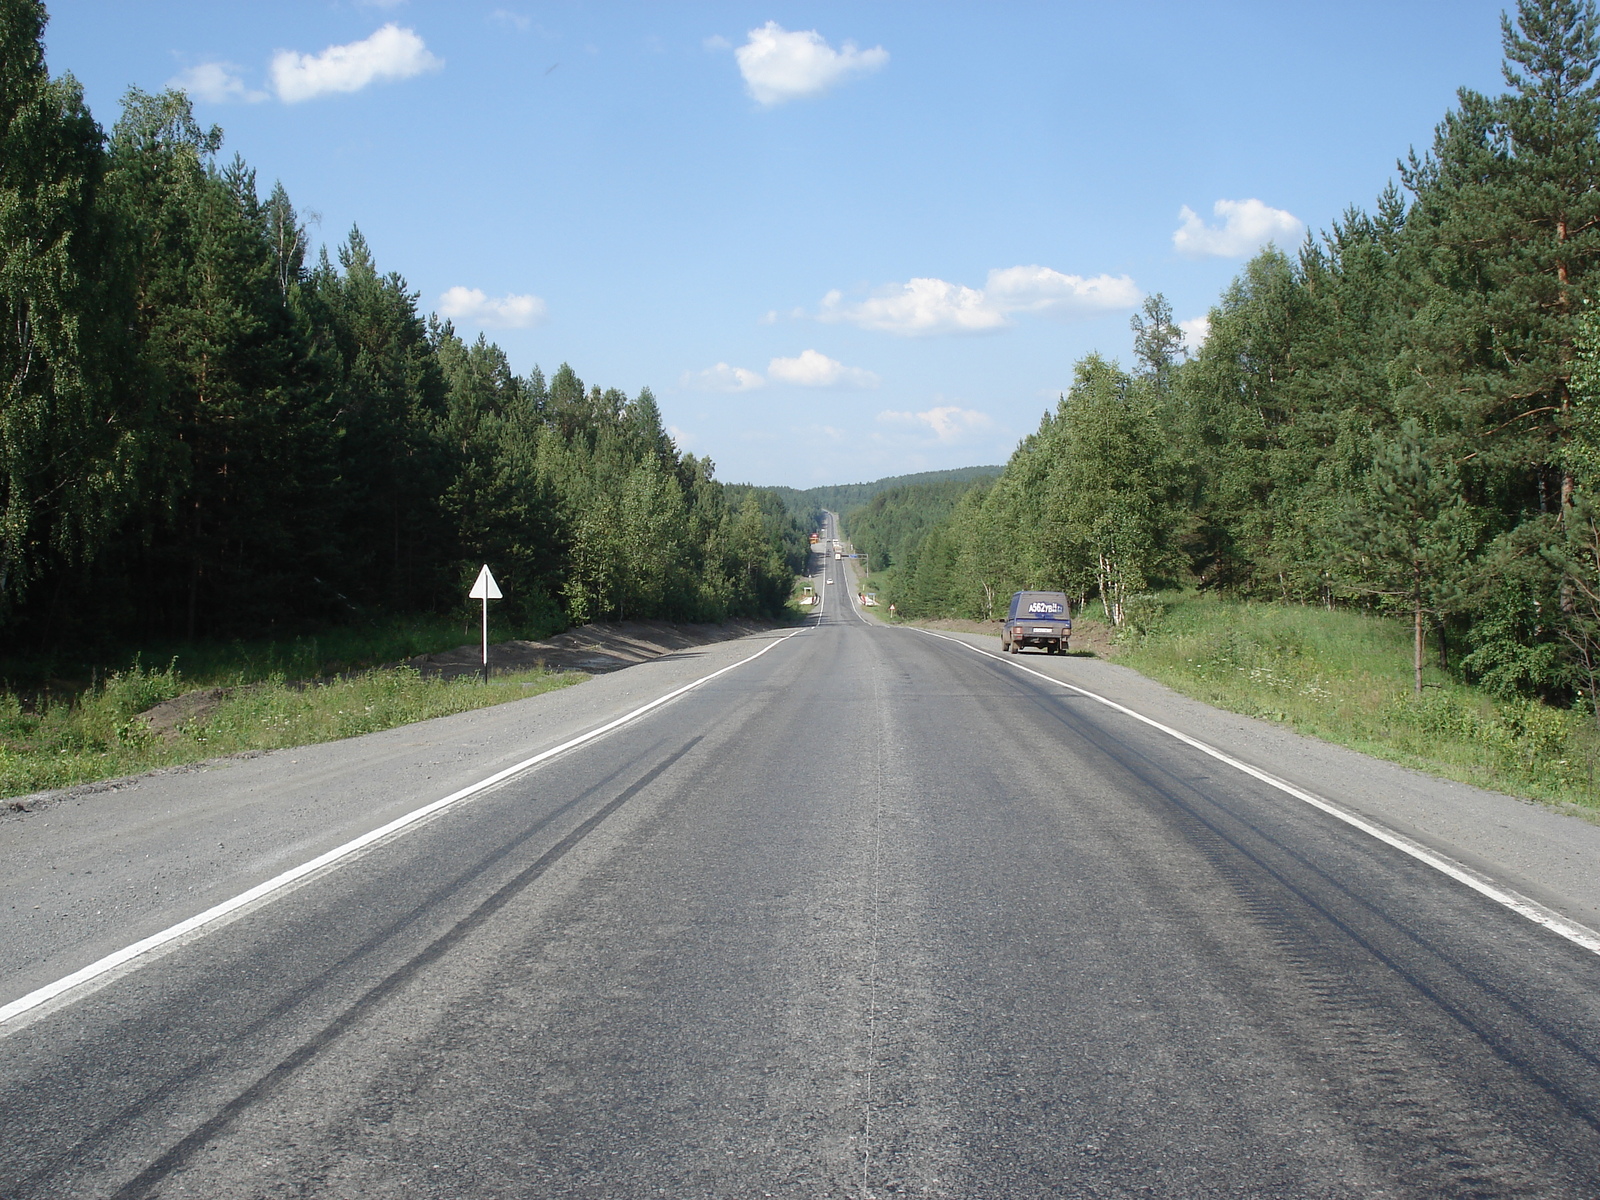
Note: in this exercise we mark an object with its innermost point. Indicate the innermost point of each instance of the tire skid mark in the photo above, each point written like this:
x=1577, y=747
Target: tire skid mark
x=1461, y=1140
x=359, y=1152
x=1444, y=1143
x=176, y=1156
x=1160, y=778
x=202, y=1065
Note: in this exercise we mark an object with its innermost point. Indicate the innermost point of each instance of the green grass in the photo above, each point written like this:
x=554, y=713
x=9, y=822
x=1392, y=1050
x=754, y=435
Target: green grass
x=879, y=582
x=234, y=661
x=1345, y=677
x=794, y=610
x=97, y=734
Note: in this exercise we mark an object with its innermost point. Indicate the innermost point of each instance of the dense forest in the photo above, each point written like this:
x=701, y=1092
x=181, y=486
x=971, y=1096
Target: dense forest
x=204, y=432
x=1403, y=413
x=892, y=525
x=809, y=504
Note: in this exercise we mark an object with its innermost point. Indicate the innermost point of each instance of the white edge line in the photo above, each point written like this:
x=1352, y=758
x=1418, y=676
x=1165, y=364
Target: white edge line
x=217, y=912
x=1532, y=910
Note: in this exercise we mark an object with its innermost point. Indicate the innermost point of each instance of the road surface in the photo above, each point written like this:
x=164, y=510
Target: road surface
x=870, y=915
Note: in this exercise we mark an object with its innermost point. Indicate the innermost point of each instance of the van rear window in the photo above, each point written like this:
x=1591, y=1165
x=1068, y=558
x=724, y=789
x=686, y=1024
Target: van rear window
x=1050, y=606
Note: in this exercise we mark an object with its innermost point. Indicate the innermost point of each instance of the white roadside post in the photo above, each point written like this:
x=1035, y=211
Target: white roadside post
x=485, y=589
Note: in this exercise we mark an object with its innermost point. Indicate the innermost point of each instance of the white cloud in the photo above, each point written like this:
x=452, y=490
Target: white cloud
x=1036, y=288
x=1195, y=331
x=1245, y=226
x=949, y=423
x=815, y=369
x=921, y=306
x=471, y=306
x=518, y=21
x=717, y=42
x=390, y=53
x=934, y=306
x=215, y=83
x=780, y=65
x=723, y=378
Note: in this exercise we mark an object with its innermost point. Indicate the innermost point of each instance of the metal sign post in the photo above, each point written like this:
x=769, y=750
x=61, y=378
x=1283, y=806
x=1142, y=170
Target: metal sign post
x=485, y=589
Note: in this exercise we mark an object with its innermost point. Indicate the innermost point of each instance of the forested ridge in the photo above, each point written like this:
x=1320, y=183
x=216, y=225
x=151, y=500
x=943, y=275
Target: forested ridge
x=205, y=431
x=810, y=503
x=1402, y=414
x=889, y=527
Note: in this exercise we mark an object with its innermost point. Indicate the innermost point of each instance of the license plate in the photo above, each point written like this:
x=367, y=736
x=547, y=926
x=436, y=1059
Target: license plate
x=1044, y=630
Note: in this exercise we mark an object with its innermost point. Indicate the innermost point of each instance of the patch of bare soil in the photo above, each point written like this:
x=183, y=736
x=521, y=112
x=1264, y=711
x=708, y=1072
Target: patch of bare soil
x=1088, y=635
x=593, y=649
x=1092, y=636
x=190, y=708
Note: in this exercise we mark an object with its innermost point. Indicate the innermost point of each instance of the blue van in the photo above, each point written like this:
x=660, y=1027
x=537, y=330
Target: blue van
x=1038, y=619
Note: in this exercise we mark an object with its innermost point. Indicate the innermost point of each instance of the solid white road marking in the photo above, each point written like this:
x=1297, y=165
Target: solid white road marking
x=1532, y=910
x=278, y=883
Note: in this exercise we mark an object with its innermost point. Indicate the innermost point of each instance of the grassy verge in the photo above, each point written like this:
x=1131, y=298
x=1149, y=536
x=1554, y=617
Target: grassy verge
x=311, y=656
x=794, y=610
x=1345, y=677
x=98, y=734
x=878, y=582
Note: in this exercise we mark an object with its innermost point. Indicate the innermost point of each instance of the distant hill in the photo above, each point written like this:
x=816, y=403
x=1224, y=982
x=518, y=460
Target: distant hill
x=844, y=496
x=889, y=527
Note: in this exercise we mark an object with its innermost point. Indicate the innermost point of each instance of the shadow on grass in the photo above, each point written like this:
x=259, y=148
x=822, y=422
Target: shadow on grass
x=106, y=733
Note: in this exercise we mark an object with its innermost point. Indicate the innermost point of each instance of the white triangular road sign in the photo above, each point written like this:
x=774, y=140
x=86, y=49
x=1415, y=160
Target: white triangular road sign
x=486, y=588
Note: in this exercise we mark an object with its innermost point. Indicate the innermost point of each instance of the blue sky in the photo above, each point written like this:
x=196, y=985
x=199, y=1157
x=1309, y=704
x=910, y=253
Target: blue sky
x=838, y=241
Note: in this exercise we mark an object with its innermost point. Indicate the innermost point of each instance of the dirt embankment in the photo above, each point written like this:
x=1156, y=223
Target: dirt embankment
x=593, y=649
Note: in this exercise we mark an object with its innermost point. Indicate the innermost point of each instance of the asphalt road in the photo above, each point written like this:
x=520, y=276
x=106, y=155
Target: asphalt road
x=871, y=915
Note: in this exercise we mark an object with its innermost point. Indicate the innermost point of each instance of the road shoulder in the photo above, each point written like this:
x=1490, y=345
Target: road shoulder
x=98, y=867
x=1547, y=855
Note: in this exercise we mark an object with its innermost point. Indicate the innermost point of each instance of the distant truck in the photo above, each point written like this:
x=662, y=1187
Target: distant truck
x=1037, y=619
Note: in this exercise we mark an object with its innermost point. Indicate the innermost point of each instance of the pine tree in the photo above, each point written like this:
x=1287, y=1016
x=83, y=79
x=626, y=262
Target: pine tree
x=644, y=432
x=1235, y=413
x=391, y=397
x=1157, y=341
x=66, y=441
x=1505, y=241
x=1574, y=553
x=1410, y=536
x=238, y=503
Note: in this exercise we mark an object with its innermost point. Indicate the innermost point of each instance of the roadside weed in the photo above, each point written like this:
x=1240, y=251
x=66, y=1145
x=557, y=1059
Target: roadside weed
x=101, y=735
x=1345, y=677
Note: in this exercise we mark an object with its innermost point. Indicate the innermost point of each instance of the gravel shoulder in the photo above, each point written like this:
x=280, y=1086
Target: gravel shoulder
x=594, y=649
x=1551, y=856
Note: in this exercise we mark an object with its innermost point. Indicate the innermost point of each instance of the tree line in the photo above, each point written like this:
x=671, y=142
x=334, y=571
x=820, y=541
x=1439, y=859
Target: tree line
x=894, y=521
x=1403, y=413
x=810, y=503
x=204, y=431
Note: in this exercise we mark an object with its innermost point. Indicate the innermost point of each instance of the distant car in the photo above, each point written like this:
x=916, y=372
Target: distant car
x=1038, y=619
